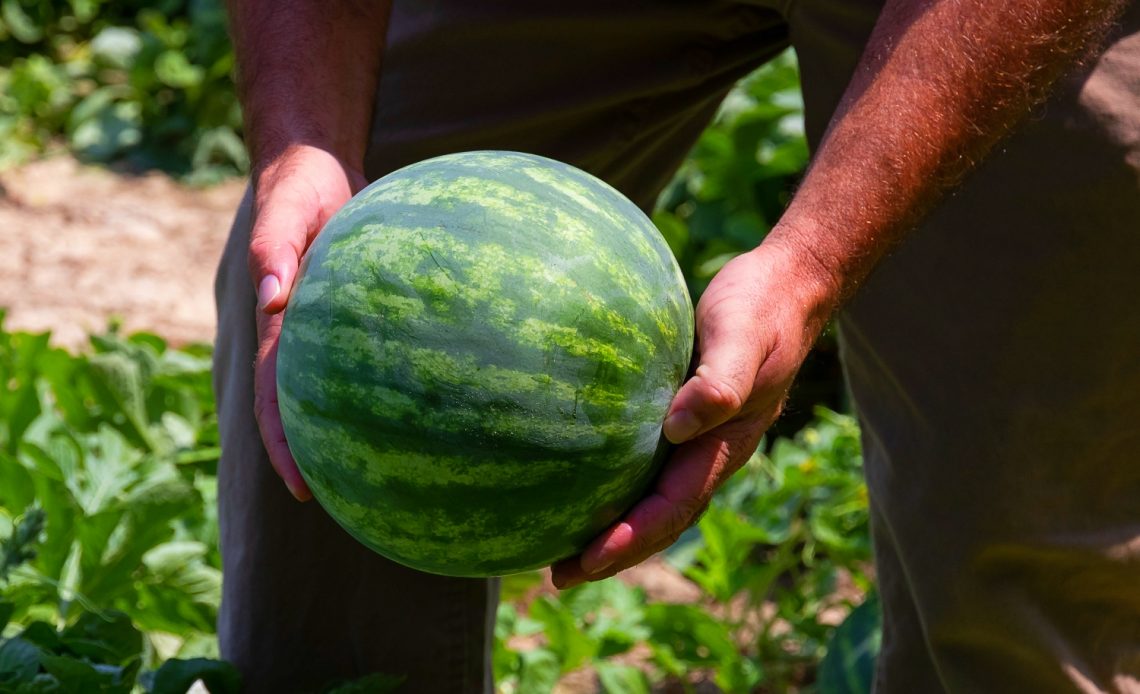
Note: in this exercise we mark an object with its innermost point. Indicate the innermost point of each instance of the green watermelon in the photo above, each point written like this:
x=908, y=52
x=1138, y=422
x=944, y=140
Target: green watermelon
x=477, y=359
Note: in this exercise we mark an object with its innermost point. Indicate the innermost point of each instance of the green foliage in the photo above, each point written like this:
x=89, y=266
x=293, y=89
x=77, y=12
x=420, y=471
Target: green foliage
x=115, y=566
x=739, y=177
x=18, y=547
x=849, y=666
x=176, y=676
x=768, y=556
x=121, y=79
x=98, y=651
x=118, y=449
x=586, y=625
x=776, y=542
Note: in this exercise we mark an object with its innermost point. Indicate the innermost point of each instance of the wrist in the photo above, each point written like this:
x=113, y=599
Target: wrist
x=301, y=156
x=273, y=146
x=810, y=279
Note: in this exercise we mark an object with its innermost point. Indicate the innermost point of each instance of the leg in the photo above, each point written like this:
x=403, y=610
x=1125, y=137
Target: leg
x=303, y=603
x=994, y=361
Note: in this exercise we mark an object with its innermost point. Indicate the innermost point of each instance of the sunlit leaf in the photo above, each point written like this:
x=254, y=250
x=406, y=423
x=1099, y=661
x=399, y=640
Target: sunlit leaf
x=116, y=46
x=174, y=70
x=622, y=679
x=539, y=672
x=19, y=24
x=566, y=640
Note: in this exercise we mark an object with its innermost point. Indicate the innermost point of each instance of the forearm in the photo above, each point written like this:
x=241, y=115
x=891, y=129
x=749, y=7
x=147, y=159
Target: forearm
x=939, y=84
x=307, y=73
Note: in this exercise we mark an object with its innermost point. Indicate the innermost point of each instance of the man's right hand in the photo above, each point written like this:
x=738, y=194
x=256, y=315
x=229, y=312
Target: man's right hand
x=295, y=193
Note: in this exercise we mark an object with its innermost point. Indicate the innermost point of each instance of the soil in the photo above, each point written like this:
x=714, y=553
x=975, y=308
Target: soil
x=83, y=246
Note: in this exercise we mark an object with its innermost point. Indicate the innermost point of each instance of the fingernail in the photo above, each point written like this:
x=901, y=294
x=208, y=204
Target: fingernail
x=299, y=490
x=267, y=291
x=596, y=565
x=681, y=425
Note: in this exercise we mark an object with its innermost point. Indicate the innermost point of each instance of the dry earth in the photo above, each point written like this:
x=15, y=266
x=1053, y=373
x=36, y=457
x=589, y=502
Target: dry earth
x=83, y=245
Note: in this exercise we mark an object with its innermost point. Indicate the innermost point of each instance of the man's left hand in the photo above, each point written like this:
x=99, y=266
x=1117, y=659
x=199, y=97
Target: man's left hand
x=755, y=324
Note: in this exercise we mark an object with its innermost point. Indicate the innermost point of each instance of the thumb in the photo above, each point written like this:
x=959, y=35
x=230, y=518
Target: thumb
x=279, y=236
x=718, y=389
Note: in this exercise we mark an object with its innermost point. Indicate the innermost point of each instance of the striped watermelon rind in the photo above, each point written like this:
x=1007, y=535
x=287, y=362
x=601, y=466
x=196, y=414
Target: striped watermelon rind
x=476, y=361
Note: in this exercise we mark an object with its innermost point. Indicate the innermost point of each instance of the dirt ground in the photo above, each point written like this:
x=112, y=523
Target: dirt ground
x=83, y=245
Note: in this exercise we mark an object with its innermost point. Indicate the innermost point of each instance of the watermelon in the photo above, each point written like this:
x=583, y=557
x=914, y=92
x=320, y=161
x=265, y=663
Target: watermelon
x=477, y=359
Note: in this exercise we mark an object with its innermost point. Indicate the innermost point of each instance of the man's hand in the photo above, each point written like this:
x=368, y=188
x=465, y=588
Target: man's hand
x=755, y=324
x=307, y=75
x=295, y=194
x=939, y=83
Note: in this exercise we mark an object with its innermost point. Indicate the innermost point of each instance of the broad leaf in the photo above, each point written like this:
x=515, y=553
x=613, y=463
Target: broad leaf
x=109, y=638
x=849, y=666
x=6, y=610
x=565, y=638
x=176, y=676
x=539, y=672
x=76, y=675
x=622, y=679
x=19, y=661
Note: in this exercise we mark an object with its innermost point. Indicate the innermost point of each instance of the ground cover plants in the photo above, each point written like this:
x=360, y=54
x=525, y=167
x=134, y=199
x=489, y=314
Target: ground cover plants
x=146, y=83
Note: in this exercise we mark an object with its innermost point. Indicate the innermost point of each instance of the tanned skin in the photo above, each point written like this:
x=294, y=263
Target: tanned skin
x=307, y=70
x=940, y=82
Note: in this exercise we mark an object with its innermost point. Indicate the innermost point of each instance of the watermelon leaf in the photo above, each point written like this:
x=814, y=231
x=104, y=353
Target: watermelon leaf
x=621, y=679
x=176, y=676
x=19, y=661
x=539, y=673
x=109, y=637
x=566, y=640
x=849, y=666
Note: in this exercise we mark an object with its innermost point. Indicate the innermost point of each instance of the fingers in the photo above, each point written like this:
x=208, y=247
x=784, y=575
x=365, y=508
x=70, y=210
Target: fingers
x=295, y=194
x=569, y=572
x=681, y=494
x=280, y=235
x=267, y=412
x=720, y=386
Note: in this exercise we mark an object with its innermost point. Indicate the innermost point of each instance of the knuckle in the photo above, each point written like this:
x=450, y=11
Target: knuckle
x=722, y=395
x=260, y=406
x=260, y=252
x=264, y=400
x=685, y=513
x=262, y=248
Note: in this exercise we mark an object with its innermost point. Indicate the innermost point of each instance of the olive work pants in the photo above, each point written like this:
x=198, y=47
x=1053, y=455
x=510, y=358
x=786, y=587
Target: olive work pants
x=994, y=357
